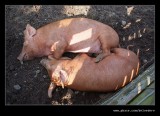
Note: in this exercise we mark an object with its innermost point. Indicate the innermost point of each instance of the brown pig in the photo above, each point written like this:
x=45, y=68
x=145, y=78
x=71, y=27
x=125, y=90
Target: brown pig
x=77, y=35
x=82, y=73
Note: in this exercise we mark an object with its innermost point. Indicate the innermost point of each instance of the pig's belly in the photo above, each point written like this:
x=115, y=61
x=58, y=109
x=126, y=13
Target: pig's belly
x=86, y=47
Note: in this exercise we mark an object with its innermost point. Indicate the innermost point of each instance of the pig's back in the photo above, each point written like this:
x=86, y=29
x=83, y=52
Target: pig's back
x=81, y=26
x=82, y=34
x=110, y=74
x=117, y=71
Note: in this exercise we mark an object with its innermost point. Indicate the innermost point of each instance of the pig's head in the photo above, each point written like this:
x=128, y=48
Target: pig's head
x=55, y=70
x=29, y=47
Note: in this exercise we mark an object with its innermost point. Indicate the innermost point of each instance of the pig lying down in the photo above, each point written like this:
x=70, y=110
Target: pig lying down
x=83, y=74
x=77, y=35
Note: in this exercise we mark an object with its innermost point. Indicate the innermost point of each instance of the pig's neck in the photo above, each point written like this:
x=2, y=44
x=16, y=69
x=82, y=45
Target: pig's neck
x=45, y=39
x=40, y=43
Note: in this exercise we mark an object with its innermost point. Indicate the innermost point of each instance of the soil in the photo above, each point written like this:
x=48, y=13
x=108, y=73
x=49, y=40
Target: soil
x=28, y=83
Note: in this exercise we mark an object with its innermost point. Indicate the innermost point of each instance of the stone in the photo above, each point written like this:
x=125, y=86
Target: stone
x=123, y=23
x=20, y=33
x=145, y=61
x=44, y=76
x=38, y=71
x=124, y=39
x=17, y=87
x=15, y=74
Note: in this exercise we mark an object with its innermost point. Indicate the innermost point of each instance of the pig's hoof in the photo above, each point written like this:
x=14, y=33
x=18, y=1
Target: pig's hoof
x=65, y=58
x=50, y=57
x=99, y=58
x=44, y=62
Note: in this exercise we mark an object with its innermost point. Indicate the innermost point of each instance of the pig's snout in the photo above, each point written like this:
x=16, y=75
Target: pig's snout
x=45, y=63
x=20, y=58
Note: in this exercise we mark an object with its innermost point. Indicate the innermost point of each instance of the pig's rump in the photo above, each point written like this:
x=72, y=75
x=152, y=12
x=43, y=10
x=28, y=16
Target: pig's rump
x=110, y=74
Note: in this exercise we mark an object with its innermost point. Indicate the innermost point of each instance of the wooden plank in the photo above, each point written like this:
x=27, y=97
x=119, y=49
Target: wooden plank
x=148, y=100
x=124, y=95
x=147, y=97
x=110, y=94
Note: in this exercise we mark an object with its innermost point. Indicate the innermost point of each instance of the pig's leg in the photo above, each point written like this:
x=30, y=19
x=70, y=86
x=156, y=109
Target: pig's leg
x=50, y=57
x=105, y=48
x=101, y=56
x=58, y=49
x=50, y=89
x=45, y=63
x=94, y=54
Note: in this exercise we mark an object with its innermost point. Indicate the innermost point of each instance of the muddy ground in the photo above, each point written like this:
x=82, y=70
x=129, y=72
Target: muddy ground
x=28, y=83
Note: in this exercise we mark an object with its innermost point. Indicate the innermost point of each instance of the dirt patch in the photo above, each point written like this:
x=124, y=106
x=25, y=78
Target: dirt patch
x=28, y=83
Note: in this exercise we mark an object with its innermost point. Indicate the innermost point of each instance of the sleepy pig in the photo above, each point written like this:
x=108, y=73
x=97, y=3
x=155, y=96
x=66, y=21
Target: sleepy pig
x=83, y=74
x=77, y=35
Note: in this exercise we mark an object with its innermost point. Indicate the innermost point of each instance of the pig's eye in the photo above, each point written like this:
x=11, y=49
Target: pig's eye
x=25, y=43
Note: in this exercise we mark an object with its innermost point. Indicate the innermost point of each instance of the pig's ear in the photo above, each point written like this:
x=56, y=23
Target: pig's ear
x=54, y=46
x=30, y=30
x=63, y=75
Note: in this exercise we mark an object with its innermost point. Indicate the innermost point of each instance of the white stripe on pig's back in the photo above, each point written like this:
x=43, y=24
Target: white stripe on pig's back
x=86, y=40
